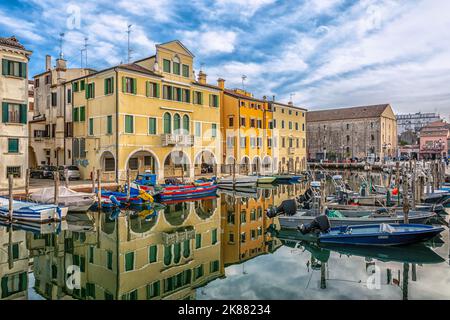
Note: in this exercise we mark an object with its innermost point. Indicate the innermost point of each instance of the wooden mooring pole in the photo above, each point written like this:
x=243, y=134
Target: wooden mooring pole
x=99, y=188
x=27, y=184
x=397, y=181
x=405, y=199
x=93, y=179
x=56, y=193
x=128, y=184
x=10, y=196
x=66, y=177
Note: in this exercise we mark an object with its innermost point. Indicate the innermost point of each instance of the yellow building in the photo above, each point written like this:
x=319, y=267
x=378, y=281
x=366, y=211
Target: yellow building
x=289, y=131
x=247, y=133
x=152, y=114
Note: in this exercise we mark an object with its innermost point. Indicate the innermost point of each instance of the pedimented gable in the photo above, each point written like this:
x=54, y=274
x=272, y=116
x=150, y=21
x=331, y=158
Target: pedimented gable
x=175, y=46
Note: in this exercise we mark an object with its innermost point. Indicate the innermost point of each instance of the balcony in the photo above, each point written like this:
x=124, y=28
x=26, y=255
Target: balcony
x=169, y=139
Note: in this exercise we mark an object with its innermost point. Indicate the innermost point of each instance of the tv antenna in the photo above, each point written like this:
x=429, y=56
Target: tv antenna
x=201, y=66
x=85, y=50
x=61, y=39
x=129, y=49
x=244, y=77
x=291, y=96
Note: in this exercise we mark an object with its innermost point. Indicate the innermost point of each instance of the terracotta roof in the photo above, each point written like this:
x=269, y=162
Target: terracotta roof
x=374, y=111
x=138, y=68
x=11, y=42
x=206, y=85
x=241, y=96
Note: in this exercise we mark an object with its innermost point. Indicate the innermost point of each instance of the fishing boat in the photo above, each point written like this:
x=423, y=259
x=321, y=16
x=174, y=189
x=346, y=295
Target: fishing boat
x=379, y=234
x=238, y=181
x=30, y=211
x=187, y=191
x=75, y=201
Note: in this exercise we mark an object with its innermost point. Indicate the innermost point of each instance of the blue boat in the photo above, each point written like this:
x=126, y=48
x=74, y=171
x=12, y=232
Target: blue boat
x=379, y=234
x=30, y=211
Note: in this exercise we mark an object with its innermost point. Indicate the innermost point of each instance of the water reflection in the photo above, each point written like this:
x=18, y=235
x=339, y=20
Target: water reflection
x=222, y=248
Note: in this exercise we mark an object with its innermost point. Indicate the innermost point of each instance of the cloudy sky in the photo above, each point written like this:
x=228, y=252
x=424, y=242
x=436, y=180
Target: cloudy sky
x=326, y=53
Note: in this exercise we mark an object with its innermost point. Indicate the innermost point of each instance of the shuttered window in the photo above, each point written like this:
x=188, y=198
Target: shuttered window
x=14, y=68
x=14, y=113
x=152, y=125
x=185, y=71
x=166, y=65
x=186, y=123
x=91, y=126
x=82, y=85
x=198, y=240
x=129, y=85
x=109, y=259
x=129, y=261
x=90, y=91
x=13, y=145
x=109, y=125
x=176, y=68
x=186, y=95
x=75, y=115
x=167, y=255
x=177, y=252
x=167, y=123
x=213, y=100
x=82, y=113
x=152, y=89
x=198, y=129
x=186, y=248
x=129, y=124
x=109, y=86
x=214, y=130
x=152, y=254
x=176, y=122
x=214, y=266
x=214, y=236
x=153, y=289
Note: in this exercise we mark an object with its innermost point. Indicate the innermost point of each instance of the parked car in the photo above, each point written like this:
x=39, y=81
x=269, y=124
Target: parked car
x=43, y=172
x=73, y=173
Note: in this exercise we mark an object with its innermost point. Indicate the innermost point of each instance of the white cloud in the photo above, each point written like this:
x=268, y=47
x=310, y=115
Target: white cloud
x=210, y=41
x=159, y=10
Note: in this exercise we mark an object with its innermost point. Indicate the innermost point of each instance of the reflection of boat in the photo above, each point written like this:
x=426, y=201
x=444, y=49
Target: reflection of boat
x=37, y=228
x=241, y=192
x=417, y=253
x=379, y=234
x=29, y=211
x=266, y=180
x=80, y=222
x=238, y=181
x=75, y=201
x=287, y=178
x=195, y=198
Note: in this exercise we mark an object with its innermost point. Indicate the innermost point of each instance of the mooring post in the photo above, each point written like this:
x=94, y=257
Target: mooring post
x=27, y=184
x=10, y=196
x=405, y=199
x=99, y=188
x=234, y=172
x=66, y=177
x=128, y=185
x=413, y=187
x=56, y=193
x=397, y=181
x=93, y=179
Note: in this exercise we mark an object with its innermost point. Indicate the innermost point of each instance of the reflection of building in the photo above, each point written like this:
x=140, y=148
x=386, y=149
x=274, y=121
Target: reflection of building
x=434, y=140
x=50, y=129
x=14, y=104
x=166, y=256
x=152, y=114
x=356, y=132
x=13, y=264
x=289, y=130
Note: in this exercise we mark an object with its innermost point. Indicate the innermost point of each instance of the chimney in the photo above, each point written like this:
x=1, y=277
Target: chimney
x=202, y=77
x=290, y=103
x=273, y=98
x=61, y=65
x=221, y=83
x=48, y=62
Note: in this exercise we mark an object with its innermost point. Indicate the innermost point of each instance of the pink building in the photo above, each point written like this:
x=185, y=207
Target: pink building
x=434, y=139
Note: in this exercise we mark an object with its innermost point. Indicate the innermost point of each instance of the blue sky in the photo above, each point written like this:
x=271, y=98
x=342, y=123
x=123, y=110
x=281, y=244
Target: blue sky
x=327, y=53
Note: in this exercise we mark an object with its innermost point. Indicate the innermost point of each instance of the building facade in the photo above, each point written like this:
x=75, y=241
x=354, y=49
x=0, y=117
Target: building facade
x=357, y=132
x=415, y=121
x=151, y=115
x=247, y=133
x=50, y=129
x=289, y=142
x=14, y=100
x=434, y=139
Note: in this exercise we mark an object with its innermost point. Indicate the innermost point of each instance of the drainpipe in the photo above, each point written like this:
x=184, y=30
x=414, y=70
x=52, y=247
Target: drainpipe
x=117, y=125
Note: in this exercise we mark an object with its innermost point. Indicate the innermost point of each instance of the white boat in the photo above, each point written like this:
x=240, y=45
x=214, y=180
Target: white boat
x=238, y=181
x=29, y=211
x=75, y=201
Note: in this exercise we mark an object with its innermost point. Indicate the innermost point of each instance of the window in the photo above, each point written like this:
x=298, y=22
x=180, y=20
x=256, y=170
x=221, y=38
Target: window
x=186, y=248
x=290, y=125
x=14, y=113
x=243, y=237
x=109, y=259
x=133, y=163
x=269, y=142
x=283, y=142
x=91, y=254
x=109, y=86
x=372, y=137
x=198, y=272
x=214, y=130
x=75, y=86
x=252, y=142
x=13, y=145
x=185, y=71
x=91, y=126
x=282, y=124
x=166, y=65
x=259, y=124
x=230, y=121
x=167, y=92
x=151, y=125
x=153, y=290
x=303, y=127
x=243, y=142
x=177, y=252
x=54, y=99
x=167, y=119
x=176, y=122
x=214, y=236
x=348, y=138
x=83, y=113
x=152, y=89
x=177, y=94
x=75, y=116
x=198, y=97
x=129, y=261
x=243, y=216
x=348, y=126
x=14, y=68
x=252, y=123
x=167, y=255
x=47, y=79
x=274, y=123
x=36, y=83
x=69, y=96
x=198, y=240
x=198, y=129
x=214, y=100
x=242, y=121
x=129, y=85
x=129, y=124
x=298, y=143
x=15, y=171
x=214, y=266
x=176, y=68
x=82, y=83
x=110, y=164
x=296, y=126
x=109, y=125
x=186, y=124
x=152, y=254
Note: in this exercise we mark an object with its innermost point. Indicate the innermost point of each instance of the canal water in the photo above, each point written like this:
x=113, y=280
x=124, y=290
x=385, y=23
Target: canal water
x=216, y=248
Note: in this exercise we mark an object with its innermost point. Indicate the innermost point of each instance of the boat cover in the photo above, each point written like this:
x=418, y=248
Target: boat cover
x=386, y=228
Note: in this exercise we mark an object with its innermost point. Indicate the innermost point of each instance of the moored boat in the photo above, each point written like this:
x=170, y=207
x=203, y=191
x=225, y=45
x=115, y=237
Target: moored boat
x=29, y=211
x=75, y=201
x=187, y=191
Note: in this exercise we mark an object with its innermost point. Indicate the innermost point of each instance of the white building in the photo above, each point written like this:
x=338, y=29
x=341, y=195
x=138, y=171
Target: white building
x=14, y=100
x=415, y=121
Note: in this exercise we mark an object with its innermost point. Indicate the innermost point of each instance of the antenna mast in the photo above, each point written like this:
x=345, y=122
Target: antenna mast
x=86, y=51
x=244, y=77
x=61, y=39
x=292, y=95
x=129, y=49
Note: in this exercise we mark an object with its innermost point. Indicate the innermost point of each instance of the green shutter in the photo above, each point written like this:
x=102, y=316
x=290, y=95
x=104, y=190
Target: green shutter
x=91, y=126
x=129, y=124
x=170, y=97
x=23, y=113
x=198, y=240
x=129, y=261
x=167, y=255
x=86, y=93
x=152, y=255
x=75, y=115
x=186, y=248
x=23, y=70
x=5, y=292
x=157, y=90
x=109, y=260
x=5, y=114
x=177, y=252
x=105, y=87
x=13, y=145
x=112, y=85
x=5, y=67
x=152, y=126
x=82, y=84
x=109, y=124
x=82, y=114
x=124, y=84
x=134, y=86
x=201, y=98
x=92, y=92
x=214, y=236
x=147, y=88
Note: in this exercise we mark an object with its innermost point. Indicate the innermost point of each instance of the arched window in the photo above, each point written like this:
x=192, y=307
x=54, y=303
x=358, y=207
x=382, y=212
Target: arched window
x=176, y=122
x=167, y=123
x=186, y=123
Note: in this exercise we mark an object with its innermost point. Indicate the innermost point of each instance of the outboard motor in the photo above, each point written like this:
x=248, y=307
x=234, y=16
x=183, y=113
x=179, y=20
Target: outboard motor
x=287, y=207
x=319, y=224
